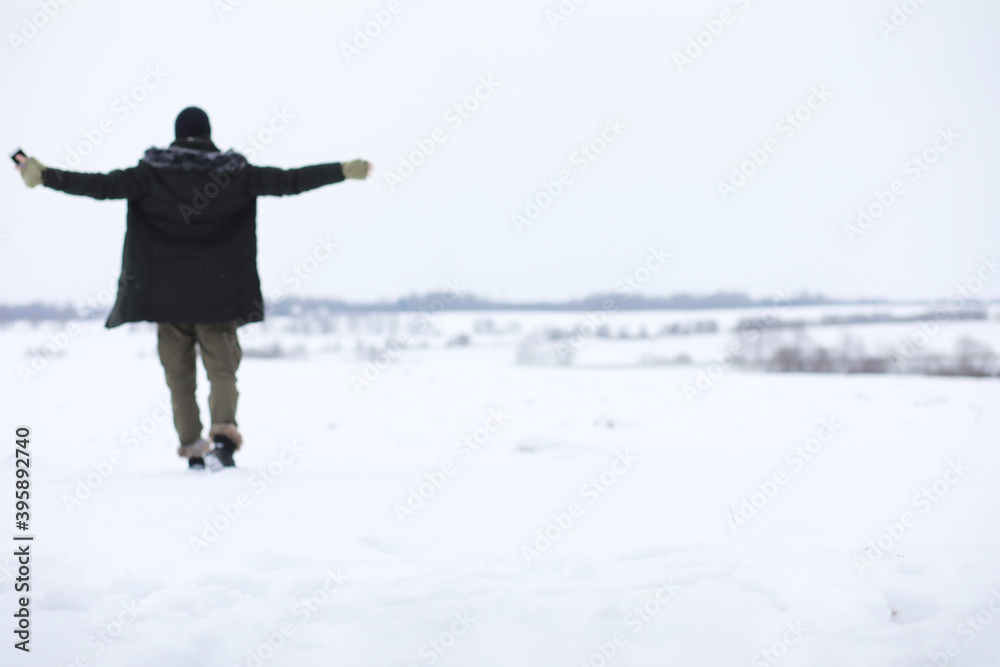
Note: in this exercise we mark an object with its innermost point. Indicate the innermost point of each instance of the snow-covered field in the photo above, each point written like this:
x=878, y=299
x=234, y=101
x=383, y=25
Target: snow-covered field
x=458, y=508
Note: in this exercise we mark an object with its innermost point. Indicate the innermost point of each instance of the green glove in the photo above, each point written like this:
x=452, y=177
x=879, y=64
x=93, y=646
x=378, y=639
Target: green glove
x=31, y=172
x=357, y=169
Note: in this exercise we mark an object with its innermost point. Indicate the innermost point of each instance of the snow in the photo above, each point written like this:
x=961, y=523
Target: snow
x=312, y=554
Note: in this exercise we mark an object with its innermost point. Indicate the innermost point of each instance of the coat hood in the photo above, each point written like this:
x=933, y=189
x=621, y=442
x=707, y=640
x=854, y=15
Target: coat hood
x=187, y=158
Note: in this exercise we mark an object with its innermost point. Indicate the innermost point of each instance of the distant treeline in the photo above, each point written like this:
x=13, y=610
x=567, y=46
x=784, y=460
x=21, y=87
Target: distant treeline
x=449, y=302
x=597, y=302
x=972, y=312
x=41, y=311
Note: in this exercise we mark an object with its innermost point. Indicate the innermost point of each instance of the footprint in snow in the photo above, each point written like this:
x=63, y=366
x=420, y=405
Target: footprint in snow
x=544, y=445
x=909, y=608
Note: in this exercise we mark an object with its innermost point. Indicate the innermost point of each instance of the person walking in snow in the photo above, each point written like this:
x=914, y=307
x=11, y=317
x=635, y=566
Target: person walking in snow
x=190, y=262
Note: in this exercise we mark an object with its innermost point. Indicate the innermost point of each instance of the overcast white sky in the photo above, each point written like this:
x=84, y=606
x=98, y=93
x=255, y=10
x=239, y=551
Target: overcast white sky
x=657, y=184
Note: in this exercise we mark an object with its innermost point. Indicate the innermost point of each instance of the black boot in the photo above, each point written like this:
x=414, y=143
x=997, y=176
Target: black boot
x=196, y=463
x=222, y=455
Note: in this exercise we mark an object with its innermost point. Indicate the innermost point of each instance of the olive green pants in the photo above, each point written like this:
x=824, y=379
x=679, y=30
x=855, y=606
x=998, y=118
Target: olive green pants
x=220, y=354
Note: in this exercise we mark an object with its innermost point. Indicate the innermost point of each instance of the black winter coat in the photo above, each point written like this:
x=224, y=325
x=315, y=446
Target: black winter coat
x=190, y=252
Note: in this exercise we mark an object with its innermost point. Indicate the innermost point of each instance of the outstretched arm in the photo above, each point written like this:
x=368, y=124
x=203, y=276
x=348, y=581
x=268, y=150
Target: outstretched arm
x=118, y=184
x=281, y=182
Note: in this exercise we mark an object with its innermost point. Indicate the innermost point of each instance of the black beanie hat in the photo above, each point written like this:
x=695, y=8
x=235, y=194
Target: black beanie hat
x=192, y=122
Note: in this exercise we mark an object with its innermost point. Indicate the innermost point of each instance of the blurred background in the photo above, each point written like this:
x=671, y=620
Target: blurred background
x=709, y=236
x=694, y=89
